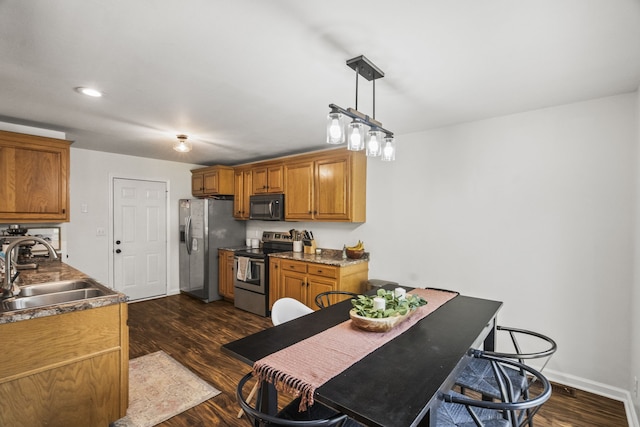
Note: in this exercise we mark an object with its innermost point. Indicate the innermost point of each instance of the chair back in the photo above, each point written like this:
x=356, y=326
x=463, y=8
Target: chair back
x=260, y=419
x=286, y=309
x=324, y=299
x=527, y=345
x=516, y=409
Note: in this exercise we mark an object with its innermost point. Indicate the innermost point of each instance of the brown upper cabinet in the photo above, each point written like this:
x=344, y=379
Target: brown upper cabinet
x=327, y=186
x=212, y=181
x=268, y=179
x=242, y=190
x=34, y=178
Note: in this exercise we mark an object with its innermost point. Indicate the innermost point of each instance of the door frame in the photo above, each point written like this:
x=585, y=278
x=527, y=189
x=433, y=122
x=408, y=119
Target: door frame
x=110, y=232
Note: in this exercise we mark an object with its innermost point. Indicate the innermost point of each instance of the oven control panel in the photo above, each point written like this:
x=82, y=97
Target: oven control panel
x=276, y=236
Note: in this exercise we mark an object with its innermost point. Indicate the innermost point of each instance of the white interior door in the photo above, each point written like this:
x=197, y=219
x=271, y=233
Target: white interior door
x=139, y=238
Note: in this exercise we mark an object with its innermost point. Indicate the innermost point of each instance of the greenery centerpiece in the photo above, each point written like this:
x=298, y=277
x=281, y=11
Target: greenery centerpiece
x=367, y=314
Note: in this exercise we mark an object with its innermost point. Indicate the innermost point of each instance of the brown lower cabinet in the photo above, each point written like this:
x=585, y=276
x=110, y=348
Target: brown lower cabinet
x=226, y=269
x=304, y=280
x=67, y=370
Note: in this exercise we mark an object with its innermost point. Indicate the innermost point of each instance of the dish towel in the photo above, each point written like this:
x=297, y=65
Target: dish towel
x=243, y=268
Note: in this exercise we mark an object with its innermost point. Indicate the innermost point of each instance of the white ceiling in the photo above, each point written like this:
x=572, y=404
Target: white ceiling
x=253, y=79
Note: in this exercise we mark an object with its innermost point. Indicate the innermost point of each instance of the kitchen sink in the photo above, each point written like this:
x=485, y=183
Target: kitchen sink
x=51, y=299
x=54, y=287
x=52, y=293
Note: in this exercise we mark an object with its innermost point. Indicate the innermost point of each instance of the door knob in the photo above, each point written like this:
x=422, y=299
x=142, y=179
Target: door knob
x=118, y=251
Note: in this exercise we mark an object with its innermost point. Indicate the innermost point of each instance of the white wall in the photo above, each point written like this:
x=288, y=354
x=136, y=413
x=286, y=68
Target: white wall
x=533, y=209
x=635, y=295
x=90, y=185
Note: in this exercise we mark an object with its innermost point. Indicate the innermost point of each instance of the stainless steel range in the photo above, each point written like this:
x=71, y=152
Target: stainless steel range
x=251, y=282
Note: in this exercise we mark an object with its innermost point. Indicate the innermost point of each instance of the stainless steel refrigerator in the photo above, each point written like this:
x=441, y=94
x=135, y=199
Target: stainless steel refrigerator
x=205, y=226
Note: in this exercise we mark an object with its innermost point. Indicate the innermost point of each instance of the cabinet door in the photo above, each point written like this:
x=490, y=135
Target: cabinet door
x=299, y=189
x=293, y=285
x=315, y=286
x=275, y=179
x=230, y=275
x=332, y=192
x=238, y=193
x=225, y=273
x=34, y=178
x=211, y=182
x=197, y=184
x=274, y=281
x=259, y=178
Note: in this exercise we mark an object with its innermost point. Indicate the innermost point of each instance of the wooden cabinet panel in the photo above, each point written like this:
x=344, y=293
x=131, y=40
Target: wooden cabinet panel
x=274, y=280
x=298, y=266
x=212, y=181
x=332, y=192
x=293, y=285
x=241, y=193
x=226, y=273
x=329, y=186
x=71, y=369
x=268, y=179
x=34, y=178
x=299, y=189
x=304, y=280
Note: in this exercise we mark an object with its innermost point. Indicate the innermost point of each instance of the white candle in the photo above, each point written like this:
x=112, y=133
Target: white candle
x=379, y=303
x=399, y=293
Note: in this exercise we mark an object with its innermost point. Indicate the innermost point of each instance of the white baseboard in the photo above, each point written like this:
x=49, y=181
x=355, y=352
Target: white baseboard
x=600, y=389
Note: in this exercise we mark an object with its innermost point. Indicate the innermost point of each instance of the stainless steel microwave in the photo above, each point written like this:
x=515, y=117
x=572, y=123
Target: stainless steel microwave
x=267, y=207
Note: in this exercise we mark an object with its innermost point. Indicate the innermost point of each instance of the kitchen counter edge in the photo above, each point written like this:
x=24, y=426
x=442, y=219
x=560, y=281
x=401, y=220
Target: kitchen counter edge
x=327, y=257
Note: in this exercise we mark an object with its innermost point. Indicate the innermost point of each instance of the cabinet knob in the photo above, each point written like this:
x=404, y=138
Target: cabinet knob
x=118, y=251
x=117, y=242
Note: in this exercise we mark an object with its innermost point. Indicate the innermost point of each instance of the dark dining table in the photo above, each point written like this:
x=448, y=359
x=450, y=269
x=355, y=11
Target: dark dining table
x=396, y=385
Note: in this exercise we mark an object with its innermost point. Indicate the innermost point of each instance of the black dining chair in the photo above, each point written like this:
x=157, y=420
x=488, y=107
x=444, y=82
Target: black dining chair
x=510, y=409
x=324, y=299
x=316, y=415
x=477, y=375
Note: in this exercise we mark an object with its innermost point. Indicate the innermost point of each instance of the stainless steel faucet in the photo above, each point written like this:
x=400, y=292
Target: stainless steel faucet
x=8, y=284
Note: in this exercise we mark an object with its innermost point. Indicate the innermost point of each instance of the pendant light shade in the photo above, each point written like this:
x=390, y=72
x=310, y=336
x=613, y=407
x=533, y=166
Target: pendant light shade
x=374, y=143
x=335, y=128
x=364, y=131
x=182, y=145
x=356, y=136
x=389, y=149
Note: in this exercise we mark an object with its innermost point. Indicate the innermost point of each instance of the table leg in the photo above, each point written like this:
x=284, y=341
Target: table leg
x=267, y=399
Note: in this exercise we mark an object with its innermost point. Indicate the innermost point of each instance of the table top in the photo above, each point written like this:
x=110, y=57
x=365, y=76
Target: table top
x=396, y=384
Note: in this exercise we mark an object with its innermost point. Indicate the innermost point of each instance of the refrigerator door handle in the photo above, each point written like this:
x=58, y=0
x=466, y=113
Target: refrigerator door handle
x=187, y=236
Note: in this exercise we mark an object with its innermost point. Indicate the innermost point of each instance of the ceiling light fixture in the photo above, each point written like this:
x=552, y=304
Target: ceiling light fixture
x=182, y=145
x=378, y=141
x=89, y=92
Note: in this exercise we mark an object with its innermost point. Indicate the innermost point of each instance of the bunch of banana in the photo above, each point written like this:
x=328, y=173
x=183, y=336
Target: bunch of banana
x=358, y=247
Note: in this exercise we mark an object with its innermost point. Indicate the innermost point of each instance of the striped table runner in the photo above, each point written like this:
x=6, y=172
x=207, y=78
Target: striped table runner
x=301, y=368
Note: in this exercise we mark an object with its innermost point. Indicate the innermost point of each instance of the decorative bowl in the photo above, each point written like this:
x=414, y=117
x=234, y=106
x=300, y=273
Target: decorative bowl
x=355, y=253
x=377, y=324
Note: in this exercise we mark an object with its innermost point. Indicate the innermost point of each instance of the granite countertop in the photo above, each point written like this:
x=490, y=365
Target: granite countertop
x=328, y=257
x=53, y=271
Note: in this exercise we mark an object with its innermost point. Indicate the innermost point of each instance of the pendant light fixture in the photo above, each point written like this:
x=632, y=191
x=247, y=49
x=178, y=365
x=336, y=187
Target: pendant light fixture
x=182, y=145
x=363, y=131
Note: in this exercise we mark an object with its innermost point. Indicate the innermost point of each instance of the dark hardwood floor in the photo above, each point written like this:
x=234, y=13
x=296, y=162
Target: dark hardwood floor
x=192, y=332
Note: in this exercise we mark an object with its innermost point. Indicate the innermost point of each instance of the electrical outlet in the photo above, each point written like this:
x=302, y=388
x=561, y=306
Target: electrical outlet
x=100, y=231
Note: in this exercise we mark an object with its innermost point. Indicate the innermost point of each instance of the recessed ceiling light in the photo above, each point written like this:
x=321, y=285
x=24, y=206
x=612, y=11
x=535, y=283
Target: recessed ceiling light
x=89, y=91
